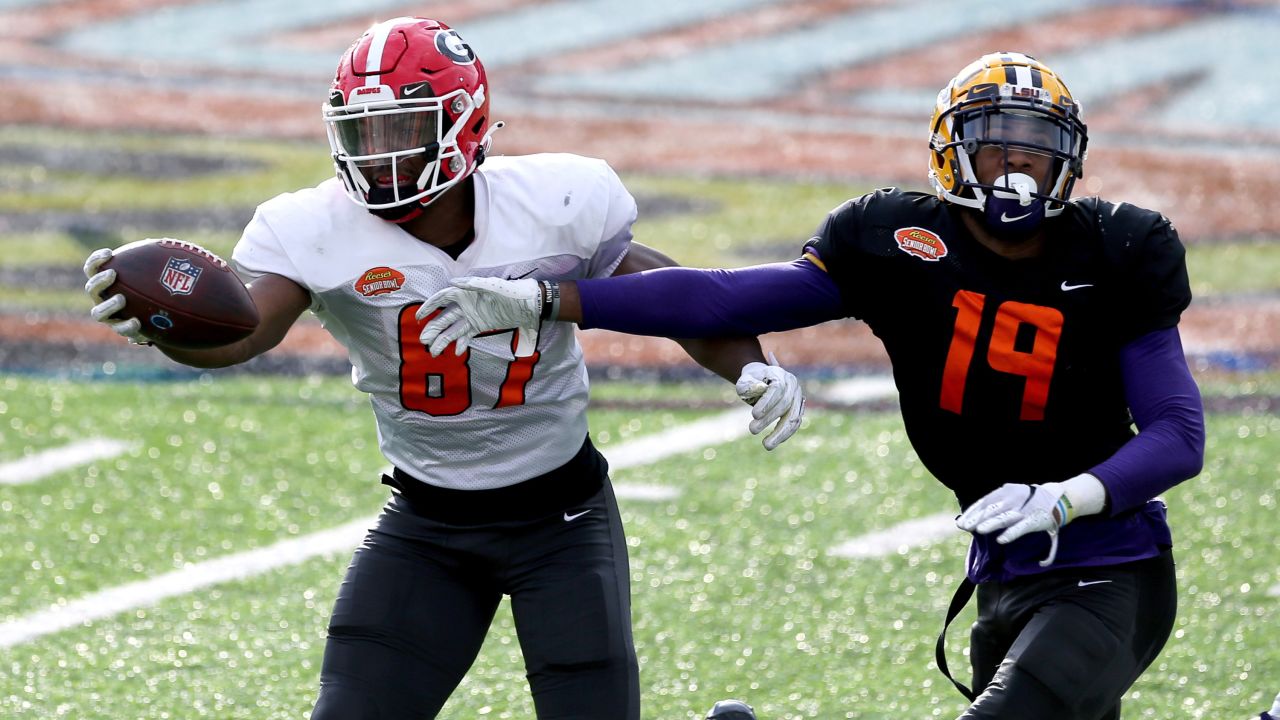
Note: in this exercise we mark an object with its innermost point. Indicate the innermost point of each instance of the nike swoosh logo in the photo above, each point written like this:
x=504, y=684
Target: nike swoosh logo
x=1004, y=217
x=412, y=90
x=575, y=516
x=1069, y=288
x=518, y=277
x=1087, y=583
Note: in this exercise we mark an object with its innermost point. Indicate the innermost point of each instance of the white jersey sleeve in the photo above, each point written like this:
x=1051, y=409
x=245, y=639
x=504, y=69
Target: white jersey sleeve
x=261, y=251
x=485, y=419
x=616, y=239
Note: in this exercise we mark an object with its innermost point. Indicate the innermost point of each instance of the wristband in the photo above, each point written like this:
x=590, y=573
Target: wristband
x=1084, y=495
x=550, y=300
x=1063, y=510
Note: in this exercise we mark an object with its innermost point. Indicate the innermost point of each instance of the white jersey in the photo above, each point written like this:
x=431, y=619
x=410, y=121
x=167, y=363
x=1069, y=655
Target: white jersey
x=485, y=419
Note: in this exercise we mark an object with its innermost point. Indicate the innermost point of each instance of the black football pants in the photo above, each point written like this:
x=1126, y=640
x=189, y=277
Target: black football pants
x=1067, y=645
x=420, y=594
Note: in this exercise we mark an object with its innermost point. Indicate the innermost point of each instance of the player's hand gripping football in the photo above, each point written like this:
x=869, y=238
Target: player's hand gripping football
x=105, y=307
x=774, y=395
x=475, y=305
x=1020, y=509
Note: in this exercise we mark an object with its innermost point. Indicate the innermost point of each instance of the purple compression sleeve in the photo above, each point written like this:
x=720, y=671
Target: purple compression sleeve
x=1166, y=406
x=685, y=302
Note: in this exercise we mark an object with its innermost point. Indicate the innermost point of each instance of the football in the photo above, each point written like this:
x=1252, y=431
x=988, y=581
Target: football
x=184, y=296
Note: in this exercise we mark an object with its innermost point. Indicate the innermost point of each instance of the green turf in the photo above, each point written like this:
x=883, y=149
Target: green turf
x=734, y=591
x=733, y=222
x=216, y=467
x=745, y=221
x=284, y=166
x=1240, y=385
x=1234, y=268
x=704, y=392
x=52, y=249
x=45, y=300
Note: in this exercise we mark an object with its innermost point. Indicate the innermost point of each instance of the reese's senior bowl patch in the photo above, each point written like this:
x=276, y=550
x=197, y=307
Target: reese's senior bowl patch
x=379, y=281
x=921, y=243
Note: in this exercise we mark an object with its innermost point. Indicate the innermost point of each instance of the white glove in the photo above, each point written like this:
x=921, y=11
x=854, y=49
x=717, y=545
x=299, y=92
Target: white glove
x=98, y=282
x=774, y=394
x=480, y=305
x=1021, y=509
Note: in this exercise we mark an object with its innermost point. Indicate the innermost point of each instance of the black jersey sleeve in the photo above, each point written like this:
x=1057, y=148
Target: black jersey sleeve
x=849, y=248
x=834, y=245
x=1151, y=267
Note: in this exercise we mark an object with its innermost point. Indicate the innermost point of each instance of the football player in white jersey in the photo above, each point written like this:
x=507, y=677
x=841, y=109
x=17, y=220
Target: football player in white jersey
x=497, y=488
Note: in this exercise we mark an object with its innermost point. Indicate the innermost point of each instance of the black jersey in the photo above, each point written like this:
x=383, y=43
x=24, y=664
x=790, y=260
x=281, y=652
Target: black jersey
x=1007, y=371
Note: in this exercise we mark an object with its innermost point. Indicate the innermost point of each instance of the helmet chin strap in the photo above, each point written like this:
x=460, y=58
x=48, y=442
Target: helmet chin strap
x=400, y=214
x=1013, y=213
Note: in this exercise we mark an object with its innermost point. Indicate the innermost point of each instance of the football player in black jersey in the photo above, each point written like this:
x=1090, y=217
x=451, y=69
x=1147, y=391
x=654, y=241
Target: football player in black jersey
x=1028, y=334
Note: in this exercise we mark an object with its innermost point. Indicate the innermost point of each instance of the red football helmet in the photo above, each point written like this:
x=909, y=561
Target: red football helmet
x=408, y=116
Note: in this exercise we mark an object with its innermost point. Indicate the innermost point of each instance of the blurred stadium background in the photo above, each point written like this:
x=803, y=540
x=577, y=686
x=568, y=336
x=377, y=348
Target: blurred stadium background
x=737, y=123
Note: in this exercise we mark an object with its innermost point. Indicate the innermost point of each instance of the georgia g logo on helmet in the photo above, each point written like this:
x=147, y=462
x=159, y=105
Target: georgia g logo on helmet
x=452, y=46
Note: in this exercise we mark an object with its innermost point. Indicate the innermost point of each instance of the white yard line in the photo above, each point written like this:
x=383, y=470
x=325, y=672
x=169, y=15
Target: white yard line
x=699, y=434
x=861, y=389
x=714, y=430
x=899, y=538
x=193, y=577
x=54, y=460
x=731, y=425
x=645, y=493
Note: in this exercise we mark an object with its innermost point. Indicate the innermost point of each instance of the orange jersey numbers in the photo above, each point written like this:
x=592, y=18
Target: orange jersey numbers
x=1036, y=365
x=442, y=385
x=519, y=371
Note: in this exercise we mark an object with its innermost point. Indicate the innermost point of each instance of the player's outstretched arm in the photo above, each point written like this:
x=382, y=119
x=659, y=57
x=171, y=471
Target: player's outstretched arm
x=665, y=302
x=723, y=356
x=475, y=305
x=775, y=395
x=279, y=301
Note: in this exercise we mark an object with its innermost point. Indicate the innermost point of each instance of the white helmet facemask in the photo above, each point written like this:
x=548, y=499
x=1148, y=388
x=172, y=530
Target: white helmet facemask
x=392, y=153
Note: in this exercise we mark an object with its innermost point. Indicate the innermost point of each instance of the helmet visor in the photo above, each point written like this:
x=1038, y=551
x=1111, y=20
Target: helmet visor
x=367, y=135
x=1030, y=131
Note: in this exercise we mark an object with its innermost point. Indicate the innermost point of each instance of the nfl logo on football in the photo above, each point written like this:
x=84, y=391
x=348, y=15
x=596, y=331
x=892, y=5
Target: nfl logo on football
x=180, y=276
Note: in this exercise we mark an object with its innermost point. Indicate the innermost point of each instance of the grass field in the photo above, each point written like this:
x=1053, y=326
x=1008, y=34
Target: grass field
x=735, y=590
x=730, y=221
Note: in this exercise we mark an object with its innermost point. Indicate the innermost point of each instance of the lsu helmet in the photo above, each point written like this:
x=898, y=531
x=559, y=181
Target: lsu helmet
x=1010, y=102
x=407, y=116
